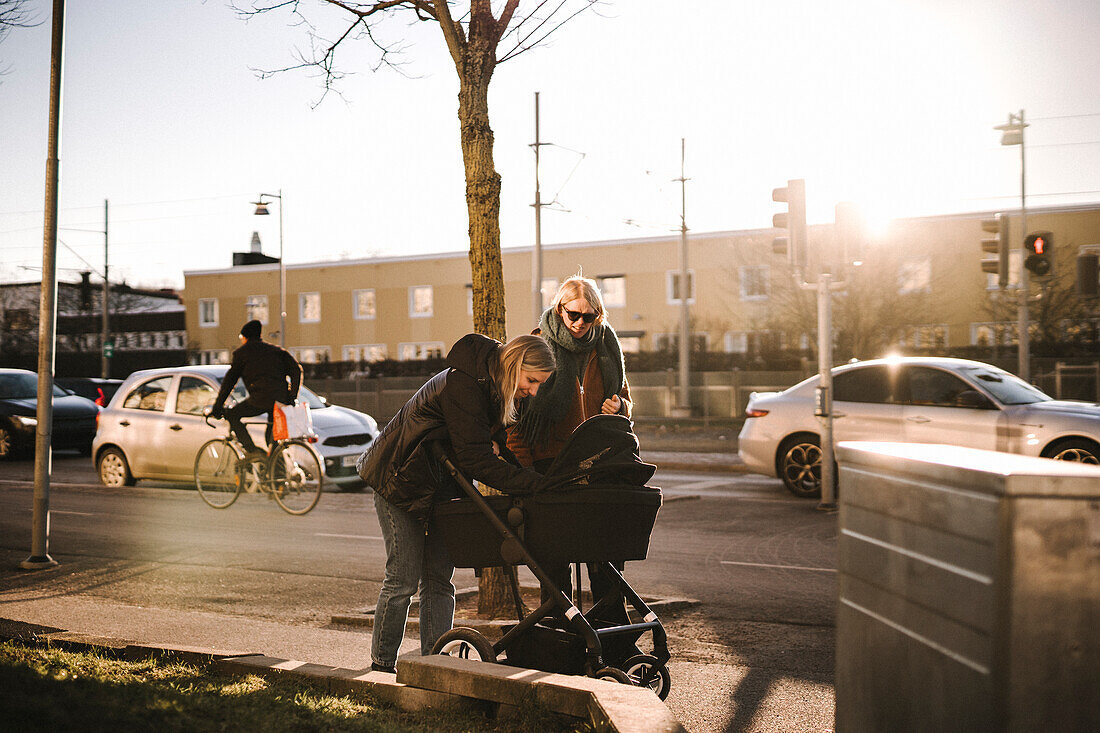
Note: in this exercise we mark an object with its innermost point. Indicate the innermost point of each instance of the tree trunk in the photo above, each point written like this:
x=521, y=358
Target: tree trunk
x=483, y=207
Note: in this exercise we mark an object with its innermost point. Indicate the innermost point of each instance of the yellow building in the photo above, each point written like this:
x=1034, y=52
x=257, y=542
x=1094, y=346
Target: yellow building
x=921, y=285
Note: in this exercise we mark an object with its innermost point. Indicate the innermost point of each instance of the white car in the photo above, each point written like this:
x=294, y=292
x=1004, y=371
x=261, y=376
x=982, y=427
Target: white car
x=154, y=427
x=914, y=400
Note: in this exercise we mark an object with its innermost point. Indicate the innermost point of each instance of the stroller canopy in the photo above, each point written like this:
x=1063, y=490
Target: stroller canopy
x=604, y=450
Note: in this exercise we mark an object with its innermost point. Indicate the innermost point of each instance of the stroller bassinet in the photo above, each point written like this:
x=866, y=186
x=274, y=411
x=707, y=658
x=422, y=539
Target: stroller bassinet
x=600, y=523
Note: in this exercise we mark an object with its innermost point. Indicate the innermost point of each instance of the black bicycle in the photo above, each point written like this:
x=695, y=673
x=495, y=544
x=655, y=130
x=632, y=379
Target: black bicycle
x=291, y=474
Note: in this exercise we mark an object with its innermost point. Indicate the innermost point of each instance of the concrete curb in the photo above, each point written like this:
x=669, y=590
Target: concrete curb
x=421, y=682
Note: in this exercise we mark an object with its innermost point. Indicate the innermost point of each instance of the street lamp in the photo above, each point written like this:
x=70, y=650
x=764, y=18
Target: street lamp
x=1012, y=133
x=261, y=210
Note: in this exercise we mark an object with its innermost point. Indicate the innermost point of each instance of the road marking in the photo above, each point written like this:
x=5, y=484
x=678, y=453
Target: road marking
x=78, y=514
x=347, y=536
x=783, y=567
x=704, y=484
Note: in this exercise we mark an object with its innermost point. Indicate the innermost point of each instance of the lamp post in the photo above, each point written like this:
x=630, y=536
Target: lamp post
x=1012, y=133
x=261, y=210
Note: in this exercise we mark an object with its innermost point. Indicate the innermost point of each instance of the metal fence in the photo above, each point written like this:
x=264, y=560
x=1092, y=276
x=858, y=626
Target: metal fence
x=713, y=395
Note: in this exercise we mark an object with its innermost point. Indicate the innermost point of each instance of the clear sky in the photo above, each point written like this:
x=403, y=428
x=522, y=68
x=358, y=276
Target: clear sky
x=889, y=103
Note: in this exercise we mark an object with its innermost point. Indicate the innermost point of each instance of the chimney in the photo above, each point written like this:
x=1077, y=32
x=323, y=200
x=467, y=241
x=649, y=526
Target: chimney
x=256, y=243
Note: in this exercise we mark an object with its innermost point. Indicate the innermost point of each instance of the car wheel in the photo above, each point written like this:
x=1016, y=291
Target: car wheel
x=113, y=468
x=1076, y=449
x=7, y=442
x=800, y=465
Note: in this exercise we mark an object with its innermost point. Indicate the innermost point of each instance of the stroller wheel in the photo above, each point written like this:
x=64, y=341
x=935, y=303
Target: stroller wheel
x=644, y=671
x=613, y=674
x=465, y=644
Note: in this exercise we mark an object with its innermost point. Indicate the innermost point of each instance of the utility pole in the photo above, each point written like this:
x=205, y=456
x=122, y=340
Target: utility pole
x=1012, y=133
x=796, y=246
x=47, y=313
x=536, y=254
x=105, y=361
x=683, y=409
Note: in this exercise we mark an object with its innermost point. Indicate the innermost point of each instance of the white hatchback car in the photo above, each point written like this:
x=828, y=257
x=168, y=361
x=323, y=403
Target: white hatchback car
x=914, y=400
x=154, y=427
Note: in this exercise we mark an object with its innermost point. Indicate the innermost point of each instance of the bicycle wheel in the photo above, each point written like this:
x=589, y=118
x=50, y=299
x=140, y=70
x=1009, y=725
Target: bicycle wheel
x=216, y=474
x=296, y=477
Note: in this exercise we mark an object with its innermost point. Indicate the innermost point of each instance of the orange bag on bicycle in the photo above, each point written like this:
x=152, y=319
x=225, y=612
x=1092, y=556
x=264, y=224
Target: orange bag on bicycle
x=291, y=421
x=278, y=423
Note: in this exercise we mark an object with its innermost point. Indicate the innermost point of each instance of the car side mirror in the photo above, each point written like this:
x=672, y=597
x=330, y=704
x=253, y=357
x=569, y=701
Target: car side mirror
x=974, y=399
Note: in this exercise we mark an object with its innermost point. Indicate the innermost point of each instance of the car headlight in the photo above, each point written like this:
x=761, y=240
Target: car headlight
x=28, y=422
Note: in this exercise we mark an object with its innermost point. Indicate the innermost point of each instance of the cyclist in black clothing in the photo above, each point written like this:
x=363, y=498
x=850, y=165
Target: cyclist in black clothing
x=270, y=374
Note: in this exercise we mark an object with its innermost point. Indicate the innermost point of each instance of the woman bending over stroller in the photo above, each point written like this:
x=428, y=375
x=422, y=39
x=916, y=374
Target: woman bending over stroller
x=469, y=404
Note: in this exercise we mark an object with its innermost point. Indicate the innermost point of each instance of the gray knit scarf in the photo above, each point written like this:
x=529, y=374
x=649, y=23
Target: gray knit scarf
x=550, y=405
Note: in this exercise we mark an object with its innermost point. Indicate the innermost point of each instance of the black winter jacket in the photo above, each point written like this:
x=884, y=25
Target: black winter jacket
x=265, y=369
x=460, y=405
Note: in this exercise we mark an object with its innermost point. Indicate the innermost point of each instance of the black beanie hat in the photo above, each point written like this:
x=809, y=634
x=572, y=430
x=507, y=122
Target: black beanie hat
x=252, y=329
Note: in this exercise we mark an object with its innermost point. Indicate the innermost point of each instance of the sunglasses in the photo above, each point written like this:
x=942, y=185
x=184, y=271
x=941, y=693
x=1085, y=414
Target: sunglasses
x=578, y=316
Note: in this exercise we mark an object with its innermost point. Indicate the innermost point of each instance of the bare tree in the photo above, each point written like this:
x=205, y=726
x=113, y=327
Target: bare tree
x=477, y=40
x=14, y=14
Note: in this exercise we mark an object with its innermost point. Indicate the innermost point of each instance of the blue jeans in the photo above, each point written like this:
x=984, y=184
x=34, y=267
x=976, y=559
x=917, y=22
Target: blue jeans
x=414, y=558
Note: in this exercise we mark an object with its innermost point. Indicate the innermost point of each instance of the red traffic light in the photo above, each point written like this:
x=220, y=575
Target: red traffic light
x=1038, y=245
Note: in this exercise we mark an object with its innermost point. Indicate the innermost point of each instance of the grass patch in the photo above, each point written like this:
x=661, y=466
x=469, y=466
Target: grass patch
x=51, y=689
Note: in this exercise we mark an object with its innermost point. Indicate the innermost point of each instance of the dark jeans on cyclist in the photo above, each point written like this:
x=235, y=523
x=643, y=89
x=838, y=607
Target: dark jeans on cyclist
x=248, y=408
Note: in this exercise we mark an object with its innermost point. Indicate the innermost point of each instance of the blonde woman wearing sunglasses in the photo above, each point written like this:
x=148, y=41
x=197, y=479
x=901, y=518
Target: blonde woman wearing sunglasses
x=590, y=380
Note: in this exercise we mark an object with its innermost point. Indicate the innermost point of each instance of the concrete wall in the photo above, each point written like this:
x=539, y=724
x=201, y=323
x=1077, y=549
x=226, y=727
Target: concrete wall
x=969, y=591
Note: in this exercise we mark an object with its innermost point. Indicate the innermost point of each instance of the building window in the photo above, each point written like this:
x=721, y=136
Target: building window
x=255, y=308
x=469, y=299
x=927, y=337
x=420, y=301
x=613, y=290
x=754, y=282
x=630, y=344
x=915, y=276
x=989, y=334
x=672, y=286
x=208, y=312
x=365, y=352
x=309, y=307
x=312, y=354
x=736, y=342
x=214, y=356
x=548, y=289
x=363, y=306
x=420, y=351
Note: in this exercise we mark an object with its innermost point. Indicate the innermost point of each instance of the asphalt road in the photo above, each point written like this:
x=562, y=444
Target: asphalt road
x=755, y=654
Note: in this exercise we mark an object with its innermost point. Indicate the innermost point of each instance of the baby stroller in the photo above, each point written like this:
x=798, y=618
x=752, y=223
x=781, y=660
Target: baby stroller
x=565, y=523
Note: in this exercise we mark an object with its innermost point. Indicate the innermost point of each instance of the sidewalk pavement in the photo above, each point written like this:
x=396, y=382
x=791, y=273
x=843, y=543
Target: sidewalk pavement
x=339, y=659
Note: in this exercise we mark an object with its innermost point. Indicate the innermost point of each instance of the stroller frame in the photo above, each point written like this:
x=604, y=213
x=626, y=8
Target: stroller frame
x=514, y=552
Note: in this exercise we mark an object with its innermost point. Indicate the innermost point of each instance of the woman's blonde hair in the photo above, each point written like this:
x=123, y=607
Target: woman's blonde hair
x=528, y=353
x=579, y=286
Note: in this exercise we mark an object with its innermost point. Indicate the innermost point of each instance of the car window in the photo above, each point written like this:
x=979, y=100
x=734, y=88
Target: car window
x=1007, y=388
x=864, y=384
x=24, y=387
x=151, y=395
x=932, y=387
x=194, y=395
x=240, y=394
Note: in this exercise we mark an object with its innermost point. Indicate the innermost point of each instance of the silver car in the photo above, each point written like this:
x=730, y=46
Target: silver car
x=914, y=400
x=154, y=426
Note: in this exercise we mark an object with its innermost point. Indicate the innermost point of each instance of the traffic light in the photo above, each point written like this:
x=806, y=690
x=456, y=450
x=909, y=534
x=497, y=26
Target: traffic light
x=794, y=221
x=996, y=245
x=1037, y=250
